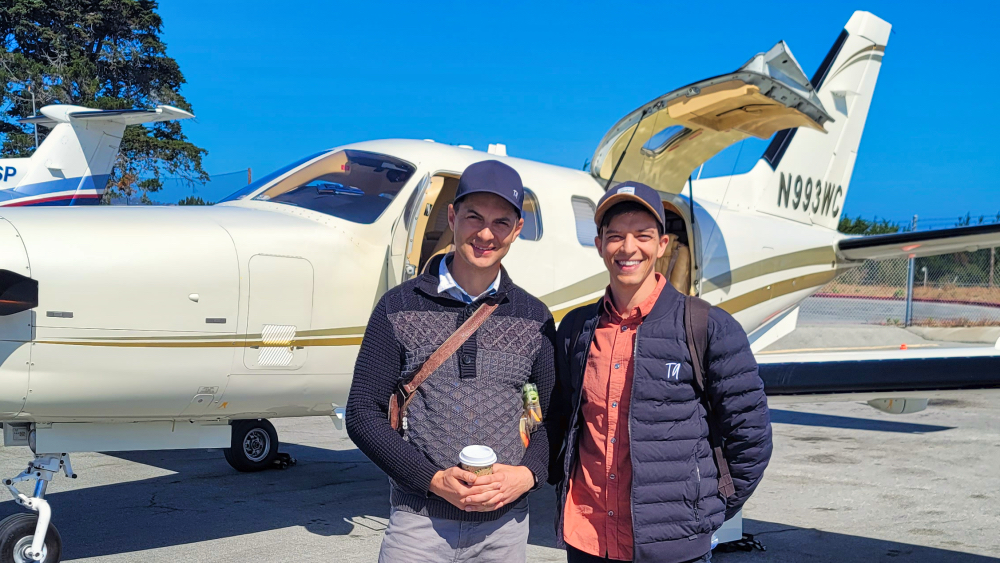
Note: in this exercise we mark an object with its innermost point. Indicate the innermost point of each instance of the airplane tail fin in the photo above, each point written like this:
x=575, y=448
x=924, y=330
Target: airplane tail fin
x=808, y=172
x=73, y=163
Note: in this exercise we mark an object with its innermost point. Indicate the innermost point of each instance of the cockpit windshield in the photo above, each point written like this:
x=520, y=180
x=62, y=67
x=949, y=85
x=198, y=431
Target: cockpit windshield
x=353, y=185
x=250, y=188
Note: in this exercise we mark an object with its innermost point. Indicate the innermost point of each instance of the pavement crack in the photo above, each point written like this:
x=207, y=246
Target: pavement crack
x=161, y=508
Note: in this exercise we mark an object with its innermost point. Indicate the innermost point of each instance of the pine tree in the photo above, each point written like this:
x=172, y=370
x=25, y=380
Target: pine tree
x=102, y=54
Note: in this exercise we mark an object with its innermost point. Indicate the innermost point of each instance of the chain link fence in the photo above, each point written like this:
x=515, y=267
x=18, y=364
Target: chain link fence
x=956, y=290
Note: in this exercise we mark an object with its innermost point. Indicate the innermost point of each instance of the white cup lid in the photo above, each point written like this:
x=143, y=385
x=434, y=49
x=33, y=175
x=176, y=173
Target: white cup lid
x=477, y=456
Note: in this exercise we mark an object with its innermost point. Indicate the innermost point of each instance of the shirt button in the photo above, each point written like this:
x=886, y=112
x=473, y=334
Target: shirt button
x=624, y=328
x=617, y=366
x=611, y=513
x=613, y=440
x=614, y=405
x=467, y=360
x=612, y=476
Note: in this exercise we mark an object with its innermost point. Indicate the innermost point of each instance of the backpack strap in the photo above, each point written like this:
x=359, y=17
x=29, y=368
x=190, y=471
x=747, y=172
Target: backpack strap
x=696, y=330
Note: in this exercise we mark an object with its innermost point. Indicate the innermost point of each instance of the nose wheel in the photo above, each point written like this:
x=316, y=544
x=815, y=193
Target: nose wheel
x=17, y=533
x=31, y=537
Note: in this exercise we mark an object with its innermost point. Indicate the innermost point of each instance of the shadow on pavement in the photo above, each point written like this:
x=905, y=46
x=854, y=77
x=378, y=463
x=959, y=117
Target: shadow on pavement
x=852, y=423
x=329, y=493
x=788, y=544
x=206, y=499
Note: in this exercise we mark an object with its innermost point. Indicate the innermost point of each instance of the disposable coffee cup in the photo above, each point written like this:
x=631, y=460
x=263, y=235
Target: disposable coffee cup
x=477, y=459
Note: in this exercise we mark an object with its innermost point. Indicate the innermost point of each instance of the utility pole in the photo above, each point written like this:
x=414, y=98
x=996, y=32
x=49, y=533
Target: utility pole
x=910, y=274
x=249, y=176
x=33, y=112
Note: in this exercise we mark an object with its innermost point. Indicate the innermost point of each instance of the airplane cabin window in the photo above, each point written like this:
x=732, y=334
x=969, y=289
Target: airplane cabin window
x=353, y=185
x=666, y=137
x=583, y=211
x=532, y=216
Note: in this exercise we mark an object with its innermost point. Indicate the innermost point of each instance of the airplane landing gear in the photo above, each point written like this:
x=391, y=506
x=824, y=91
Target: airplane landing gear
x=254, y=445
x=32, y=537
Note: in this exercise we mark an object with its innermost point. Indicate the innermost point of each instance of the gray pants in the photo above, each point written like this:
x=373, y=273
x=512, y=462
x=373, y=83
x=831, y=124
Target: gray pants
x=411, y=537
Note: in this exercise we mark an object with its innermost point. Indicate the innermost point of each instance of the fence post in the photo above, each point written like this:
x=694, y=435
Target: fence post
x=910, y=274
x=993, y=260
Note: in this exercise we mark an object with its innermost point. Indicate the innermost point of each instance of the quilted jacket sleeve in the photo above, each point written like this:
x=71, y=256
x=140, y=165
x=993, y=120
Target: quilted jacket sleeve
x=737, y=395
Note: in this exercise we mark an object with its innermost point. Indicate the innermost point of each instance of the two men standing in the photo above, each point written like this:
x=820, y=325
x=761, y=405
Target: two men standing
x=626, y=439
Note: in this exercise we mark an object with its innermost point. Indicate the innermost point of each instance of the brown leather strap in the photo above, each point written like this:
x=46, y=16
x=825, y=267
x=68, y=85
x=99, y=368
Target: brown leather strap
x=696, y=328
x=450, y=346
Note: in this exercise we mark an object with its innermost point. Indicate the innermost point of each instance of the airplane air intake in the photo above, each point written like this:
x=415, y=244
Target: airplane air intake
x=17, y=293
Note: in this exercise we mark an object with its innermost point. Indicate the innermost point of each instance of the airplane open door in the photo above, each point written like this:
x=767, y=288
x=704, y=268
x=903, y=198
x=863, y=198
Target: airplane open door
x=662, y=142
x=416, y=222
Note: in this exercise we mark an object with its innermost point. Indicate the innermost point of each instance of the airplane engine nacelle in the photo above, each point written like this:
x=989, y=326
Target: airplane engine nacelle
x=898, y=406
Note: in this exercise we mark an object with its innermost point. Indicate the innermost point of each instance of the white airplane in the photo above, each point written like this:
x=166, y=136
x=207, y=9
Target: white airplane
x=140, y=328
x=73, y=163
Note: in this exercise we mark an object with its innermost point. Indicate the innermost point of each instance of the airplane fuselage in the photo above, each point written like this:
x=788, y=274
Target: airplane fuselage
x=179, y=313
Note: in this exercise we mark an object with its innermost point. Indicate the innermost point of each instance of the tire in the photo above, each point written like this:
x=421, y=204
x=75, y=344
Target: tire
x=16, y=532
x=254, y=445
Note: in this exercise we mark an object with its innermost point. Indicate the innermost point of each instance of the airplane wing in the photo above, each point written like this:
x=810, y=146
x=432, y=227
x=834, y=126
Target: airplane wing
x=880, y=373
x=927, y=243
x=662, y=142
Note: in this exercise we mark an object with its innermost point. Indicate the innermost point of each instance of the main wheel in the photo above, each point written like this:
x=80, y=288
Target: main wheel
x=254, y=445
x=16, y=533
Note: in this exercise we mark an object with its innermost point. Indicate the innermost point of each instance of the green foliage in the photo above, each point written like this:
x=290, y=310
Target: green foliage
x=861, y=226
x=969, y=220
x=103, y=54
x=193, y=200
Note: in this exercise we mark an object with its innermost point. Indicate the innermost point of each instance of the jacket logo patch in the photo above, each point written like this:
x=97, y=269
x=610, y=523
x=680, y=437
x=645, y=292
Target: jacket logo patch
x=673, y=371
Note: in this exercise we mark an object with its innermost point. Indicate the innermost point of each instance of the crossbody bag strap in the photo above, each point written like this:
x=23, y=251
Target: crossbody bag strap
x=402, y=398
x=696, y=328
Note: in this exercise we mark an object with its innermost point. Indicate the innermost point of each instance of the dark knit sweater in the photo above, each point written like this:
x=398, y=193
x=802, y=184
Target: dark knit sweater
x=473, y=398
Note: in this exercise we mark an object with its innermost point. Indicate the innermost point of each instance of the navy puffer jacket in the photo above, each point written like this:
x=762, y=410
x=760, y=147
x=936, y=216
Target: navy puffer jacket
x=676, y=505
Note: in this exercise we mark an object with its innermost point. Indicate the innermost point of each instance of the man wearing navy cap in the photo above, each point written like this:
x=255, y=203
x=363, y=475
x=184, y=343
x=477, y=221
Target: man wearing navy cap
x=440, y=512
x=640, y=476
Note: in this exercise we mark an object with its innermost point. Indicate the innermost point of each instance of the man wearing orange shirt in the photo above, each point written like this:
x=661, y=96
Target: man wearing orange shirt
x=636, y=477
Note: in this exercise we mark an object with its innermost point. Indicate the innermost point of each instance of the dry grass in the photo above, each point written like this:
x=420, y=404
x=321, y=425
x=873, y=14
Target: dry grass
x=944, y=293
x=956, y=323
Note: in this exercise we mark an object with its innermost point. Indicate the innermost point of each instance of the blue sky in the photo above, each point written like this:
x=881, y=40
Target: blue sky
x=271, y=82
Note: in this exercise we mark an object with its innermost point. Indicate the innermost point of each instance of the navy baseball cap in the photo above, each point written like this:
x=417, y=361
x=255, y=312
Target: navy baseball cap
x=493, y=177
x=632, y=191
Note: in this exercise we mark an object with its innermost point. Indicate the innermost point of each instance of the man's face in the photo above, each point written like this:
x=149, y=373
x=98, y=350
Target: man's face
x=485, y=225
x=630, y=245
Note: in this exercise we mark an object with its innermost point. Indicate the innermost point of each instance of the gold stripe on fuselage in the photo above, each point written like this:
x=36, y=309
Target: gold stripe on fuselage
x=352, y=336
x=231, y=343
x=810, y=257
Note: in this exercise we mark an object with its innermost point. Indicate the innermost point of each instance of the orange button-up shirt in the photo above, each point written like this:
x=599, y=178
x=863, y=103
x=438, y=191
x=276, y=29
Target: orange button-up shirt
x=598, y=512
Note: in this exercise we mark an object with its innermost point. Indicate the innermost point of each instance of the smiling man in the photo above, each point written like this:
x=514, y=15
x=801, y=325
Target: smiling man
x=441, y=513
x=637, y=479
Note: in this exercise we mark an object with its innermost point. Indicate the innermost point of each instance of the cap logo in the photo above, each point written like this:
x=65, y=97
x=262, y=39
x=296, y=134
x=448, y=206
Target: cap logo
x=515, y=194
x=626, y=190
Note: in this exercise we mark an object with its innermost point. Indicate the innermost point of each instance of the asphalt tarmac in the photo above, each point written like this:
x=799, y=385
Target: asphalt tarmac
x=846, y=484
